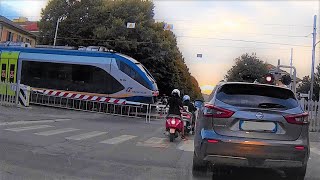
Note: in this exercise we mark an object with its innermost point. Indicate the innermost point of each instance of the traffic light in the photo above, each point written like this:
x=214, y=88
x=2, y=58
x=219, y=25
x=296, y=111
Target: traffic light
x=269, y=78
x=286, y=79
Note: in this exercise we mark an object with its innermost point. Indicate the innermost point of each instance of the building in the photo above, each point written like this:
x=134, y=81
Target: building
x=31, y=26
x=9, y=31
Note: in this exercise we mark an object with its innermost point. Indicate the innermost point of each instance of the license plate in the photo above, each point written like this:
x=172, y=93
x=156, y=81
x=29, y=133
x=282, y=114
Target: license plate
x=258, y=126
x=172, y=130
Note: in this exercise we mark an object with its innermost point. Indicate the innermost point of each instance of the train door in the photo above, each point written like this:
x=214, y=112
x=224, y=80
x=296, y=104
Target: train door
x=8, y=65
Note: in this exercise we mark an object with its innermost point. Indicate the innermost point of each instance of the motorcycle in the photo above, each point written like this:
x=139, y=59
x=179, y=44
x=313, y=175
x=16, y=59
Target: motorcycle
x=174, y=125
x=187, y=118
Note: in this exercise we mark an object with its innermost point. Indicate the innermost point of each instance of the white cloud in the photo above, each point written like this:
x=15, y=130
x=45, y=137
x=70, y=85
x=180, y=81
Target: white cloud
x=265, y=21
x=27, y=8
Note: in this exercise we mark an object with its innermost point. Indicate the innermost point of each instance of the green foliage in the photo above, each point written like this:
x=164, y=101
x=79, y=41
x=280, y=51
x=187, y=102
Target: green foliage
x=247, y=68
x=305, y=85
x=103, y=23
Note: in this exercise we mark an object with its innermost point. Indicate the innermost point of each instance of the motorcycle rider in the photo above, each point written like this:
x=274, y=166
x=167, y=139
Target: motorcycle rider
x=191, y=107
x=175, y=105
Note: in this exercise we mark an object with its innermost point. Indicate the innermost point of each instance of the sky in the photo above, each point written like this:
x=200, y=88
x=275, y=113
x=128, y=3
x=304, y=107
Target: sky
x=223, y=30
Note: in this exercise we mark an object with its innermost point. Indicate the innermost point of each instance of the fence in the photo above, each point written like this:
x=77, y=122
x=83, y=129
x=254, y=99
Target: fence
x=8, y=94
x=138, y=110
x=314, y=113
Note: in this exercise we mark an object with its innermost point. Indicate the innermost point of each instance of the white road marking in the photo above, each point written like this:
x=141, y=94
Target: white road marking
x=57, y=131
x=186, y=145
x=155, y=142
x=118, y=140
x=32, y=122
x=28, y=128
x=86, y=135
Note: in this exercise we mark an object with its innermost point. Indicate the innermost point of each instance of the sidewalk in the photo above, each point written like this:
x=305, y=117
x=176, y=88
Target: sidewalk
x=314, y=137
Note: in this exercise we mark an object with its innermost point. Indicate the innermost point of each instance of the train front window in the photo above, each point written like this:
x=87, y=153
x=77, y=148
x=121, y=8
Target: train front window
x=132, y=73
x=146, y=71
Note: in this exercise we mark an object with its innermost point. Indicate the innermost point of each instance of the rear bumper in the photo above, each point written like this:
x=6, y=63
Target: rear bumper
x=246, y=162
x=244, y=152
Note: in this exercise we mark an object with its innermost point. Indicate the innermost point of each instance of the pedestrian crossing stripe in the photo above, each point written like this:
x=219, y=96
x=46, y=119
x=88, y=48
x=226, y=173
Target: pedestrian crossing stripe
x=57, y=131
x=155, y=142
x=86, y=135
x=28, y=128
x=32, y=122
x=118, y=140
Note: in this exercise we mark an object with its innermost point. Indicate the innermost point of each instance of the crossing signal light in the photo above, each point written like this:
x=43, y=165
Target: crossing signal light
x=269, y=79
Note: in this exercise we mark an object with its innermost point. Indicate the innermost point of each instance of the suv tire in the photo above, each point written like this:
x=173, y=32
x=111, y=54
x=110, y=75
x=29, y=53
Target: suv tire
x=296, y=173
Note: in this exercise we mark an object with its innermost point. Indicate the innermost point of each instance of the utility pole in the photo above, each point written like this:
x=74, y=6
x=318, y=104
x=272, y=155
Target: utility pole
x=314, y=36
x=55, y=35
x=291, y=66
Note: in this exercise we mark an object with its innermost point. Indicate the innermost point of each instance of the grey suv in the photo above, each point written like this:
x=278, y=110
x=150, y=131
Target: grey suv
x=252, y=125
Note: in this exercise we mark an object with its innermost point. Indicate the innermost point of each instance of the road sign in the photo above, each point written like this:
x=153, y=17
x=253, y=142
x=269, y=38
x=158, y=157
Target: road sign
x=168, y=26
x=131, y=25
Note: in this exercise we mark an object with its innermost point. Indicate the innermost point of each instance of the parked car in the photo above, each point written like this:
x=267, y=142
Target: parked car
x=252, y=125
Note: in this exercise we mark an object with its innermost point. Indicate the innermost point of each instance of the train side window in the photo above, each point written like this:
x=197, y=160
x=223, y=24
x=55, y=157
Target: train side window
x=72, y=77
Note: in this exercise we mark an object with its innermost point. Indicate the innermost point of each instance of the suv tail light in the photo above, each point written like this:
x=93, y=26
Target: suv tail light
x=216, y=112
x=297, y=118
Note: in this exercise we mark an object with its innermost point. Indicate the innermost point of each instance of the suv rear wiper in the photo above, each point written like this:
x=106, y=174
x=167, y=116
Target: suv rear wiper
x=271, y=105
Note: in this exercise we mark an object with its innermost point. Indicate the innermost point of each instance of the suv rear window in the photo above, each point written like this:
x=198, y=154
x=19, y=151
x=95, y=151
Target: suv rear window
x=257, y=96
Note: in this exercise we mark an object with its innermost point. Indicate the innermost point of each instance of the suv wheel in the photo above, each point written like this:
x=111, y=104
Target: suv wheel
x=296, y=173
x=199, y=166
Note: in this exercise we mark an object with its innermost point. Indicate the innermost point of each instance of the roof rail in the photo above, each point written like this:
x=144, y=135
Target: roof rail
x=56, y=47
x=95, y=48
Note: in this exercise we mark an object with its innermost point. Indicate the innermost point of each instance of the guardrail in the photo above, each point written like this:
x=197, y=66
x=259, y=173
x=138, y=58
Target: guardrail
x=8, y=94
x=139, y=110
x=157, y=111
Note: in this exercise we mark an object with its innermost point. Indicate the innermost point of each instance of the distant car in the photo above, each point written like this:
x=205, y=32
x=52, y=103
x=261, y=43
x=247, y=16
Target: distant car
x=252, y=125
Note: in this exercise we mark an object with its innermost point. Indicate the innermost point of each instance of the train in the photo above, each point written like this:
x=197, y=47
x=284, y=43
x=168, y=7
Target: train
x=104, y=74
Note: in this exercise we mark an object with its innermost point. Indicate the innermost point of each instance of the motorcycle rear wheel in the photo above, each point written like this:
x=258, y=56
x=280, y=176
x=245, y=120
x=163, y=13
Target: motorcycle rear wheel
x=171, y=136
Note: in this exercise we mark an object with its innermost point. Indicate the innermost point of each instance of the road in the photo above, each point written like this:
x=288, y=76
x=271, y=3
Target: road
x=48, y=143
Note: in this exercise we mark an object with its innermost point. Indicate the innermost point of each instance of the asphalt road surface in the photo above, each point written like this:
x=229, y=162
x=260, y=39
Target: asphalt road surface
x=47, y=143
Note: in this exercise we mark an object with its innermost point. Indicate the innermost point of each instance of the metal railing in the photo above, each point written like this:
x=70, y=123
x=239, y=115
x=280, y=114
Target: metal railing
x=157, y=111
x=138, y=110
x=6, y=98
x=314, y=113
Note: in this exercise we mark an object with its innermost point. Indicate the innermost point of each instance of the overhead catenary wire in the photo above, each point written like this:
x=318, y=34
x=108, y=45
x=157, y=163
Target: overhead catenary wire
x=148, y=42
x=244, y=47
x=263, y=24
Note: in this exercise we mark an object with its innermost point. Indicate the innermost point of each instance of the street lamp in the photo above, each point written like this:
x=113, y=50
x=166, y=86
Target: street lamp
x=55, y=35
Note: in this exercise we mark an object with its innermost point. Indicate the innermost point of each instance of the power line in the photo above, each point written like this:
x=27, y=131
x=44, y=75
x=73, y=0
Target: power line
x=244, y=47
x=247, y=41
x=264, y=24
x=263, y=34
x=146, y=42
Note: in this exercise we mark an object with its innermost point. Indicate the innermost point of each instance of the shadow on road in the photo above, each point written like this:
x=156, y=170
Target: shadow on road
x=251, y=174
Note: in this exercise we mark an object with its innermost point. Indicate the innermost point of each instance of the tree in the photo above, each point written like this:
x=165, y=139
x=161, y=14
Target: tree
x=103, y=23
x=305, y=85
x=247, y=68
